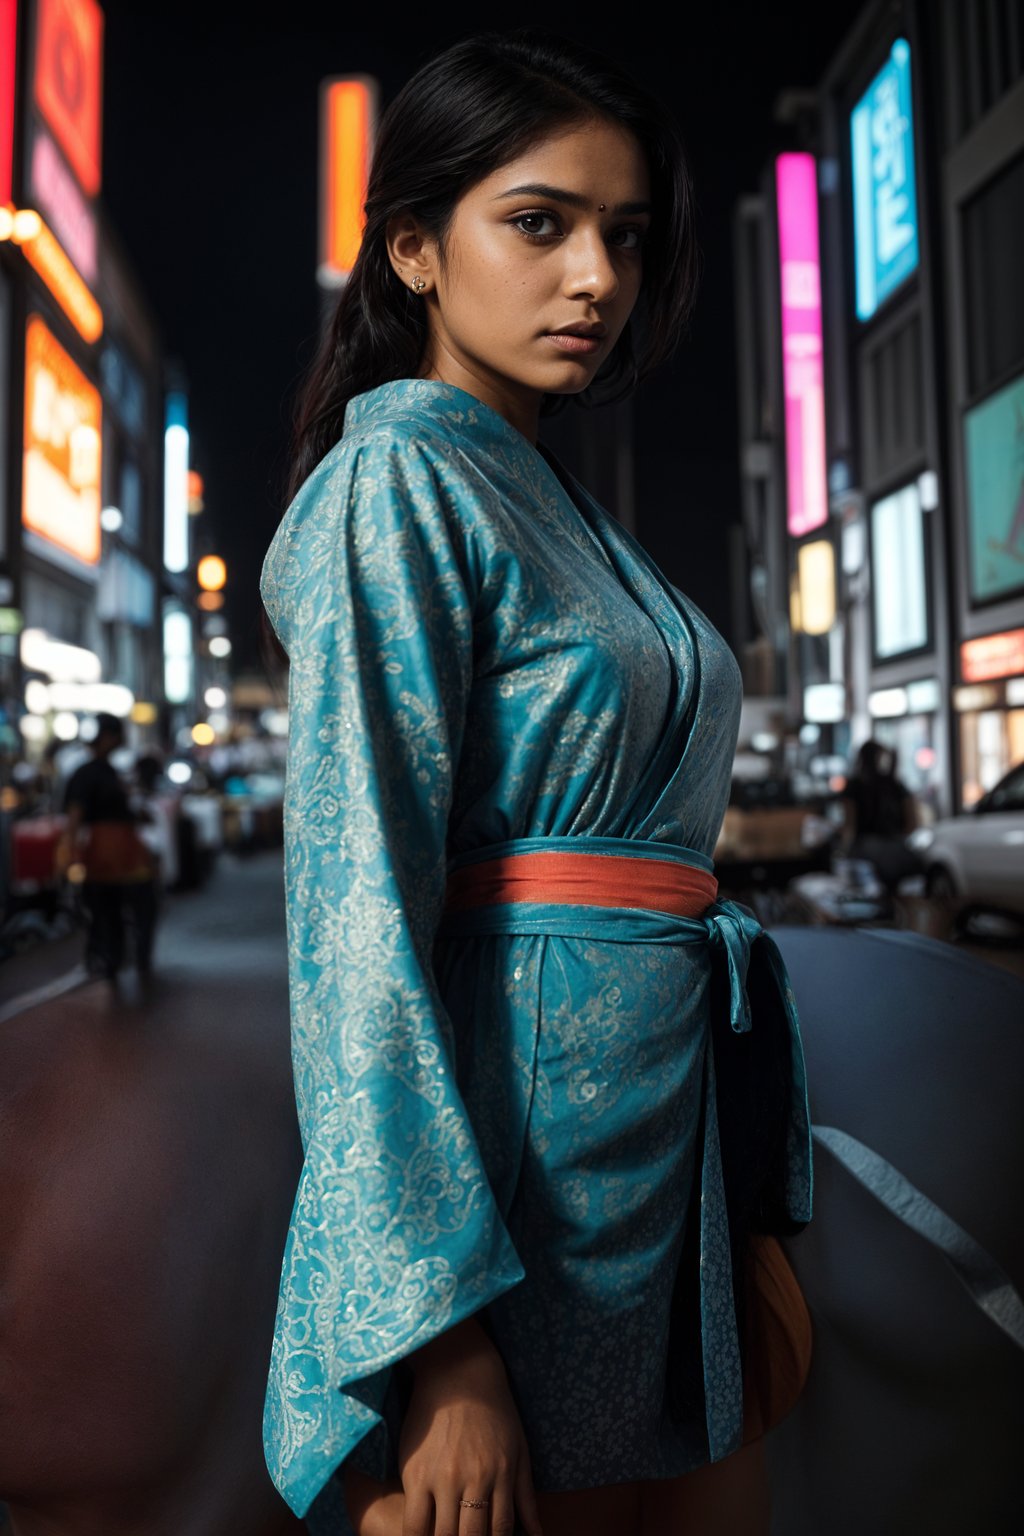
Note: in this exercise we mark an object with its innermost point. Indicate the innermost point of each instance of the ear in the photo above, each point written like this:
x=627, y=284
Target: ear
x=410, y=252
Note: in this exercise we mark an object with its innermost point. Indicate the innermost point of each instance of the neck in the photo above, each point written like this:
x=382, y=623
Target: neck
x=519, y=406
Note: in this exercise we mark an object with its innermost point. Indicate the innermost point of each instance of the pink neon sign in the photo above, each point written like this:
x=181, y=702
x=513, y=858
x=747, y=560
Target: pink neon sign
x=803, y=383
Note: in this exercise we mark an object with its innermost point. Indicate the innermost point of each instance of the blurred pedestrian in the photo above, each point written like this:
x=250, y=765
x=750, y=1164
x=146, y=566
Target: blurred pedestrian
x=115, y=859
x=880, y=814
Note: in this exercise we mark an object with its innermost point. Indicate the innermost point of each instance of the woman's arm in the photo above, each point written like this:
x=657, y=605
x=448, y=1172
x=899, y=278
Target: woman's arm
x=67, y=844
x=911, y=815
x=396, y=1239
x=462, y=1434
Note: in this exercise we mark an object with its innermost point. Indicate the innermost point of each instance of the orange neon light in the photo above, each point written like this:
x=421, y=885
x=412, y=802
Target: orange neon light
x=63, y=446
x=46, y=254
x=69, y=81
x=348, y=110
x=992, y=656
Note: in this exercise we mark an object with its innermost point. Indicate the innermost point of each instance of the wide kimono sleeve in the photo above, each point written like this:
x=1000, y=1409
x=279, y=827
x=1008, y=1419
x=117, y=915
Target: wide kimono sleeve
x=395, y=1235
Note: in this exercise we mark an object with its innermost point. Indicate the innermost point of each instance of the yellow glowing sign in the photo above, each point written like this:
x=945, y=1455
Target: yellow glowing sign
x=817, y=584
x=63, y=437
x=45, y=253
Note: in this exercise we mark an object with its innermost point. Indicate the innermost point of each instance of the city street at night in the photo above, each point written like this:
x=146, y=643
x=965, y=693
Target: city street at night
x=511, y=770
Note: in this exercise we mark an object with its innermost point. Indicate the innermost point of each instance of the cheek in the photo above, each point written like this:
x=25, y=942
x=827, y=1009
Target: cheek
x=498, y=276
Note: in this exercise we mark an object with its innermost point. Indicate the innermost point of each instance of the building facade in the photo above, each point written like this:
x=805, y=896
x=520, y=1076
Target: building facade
x=883, y=453
x=86, y=594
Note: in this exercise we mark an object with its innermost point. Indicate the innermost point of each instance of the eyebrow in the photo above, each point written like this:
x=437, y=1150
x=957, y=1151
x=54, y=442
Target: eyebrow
x=560, y=195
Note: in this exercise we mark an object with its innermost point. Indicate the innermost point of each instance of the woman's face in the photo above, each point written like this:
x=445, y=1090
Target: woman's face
x=551, y=240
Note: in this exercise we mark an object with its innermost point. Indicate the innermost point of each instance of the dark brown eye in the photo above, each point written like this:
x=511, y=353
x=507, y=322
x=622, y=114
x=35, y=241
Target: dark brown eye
x=522, y=219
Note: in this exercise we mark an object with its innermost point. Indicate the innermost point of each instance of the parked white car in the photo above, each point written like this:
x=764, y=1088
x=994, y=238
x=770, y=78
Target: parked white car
x=977, y=859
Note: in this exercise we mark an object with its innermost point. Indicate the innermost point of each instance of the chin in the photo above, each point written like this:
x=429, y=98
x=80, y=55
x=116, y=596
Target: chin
x=571, y=380
x=571, y=386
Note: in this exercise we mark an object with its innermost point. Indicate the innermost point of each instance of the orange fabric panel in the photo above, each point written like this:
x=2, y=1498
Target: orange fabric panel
x=777, y=1337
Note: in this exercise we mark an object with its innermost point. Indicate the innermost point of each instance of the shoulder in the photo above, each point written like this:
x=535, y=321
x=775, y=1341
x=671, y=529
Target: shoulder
x=85, y=770
x=386, y=499
x=402, y=459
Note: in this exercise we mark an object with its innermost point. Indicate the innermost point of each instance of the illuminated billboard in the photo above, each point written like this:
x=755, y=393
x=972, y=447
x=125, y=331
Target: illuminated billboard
x=994, y=457
x=899, y=583
x=44, y=252
x=884, y=192
x=992, y=656
x=347, y=116
x=68, y=82
x=63, y=436
x=57, y=194
x=176, y=452
x=802, y=376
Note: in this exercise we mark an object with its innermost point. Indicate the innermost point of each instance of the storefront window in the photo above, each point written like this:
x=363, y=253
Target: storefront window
x=992, y=742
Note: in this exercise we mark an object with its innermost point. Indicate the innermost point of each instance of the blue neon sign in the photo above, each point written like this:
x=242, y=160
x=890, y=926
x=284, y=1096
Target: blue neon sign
x=884, y=193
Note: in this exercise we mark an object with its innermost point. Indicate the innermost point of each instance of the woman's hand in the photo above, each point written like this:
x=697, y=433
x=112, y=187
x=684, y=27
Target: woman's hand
x=373, y=1508
x=462, y=1439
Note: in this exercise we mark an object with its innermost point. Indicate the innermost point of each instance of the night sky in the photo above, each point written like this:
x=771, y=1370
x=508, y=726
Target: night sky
x=210, y=166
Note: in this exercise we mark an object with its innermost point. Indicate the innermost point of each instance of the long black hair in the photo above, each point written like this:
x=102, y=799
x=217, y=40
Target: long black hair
x=471, y=109
x=468, y=111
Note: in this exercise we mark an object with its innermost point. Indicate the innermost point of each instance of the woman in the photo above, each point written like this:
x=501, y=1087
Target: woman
x=512, y=1292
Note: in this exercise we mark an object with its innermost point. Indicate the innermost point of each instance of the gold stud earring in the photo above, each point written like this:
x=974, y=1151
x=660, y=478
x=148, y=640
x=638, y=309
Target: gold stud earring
x=417, y=285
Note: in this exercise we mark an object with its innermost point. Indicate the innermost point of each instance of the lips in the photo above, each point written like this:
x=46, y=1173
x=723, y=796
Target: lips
x=593, y=331
x=572, y=341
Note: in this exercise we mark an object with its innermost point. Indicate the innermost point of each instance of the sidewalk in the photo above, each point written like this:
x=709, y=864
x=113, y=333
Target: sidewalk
x=148, y=1164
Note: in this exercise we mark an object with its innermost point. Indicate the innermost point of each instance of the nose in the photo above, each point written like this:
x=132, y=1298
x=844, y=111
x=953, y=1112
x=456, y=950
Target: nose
x=590, y=271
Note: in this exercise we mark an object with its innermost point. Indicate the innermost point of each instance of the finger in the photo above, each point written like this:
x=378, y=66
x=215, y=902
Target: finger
x=526, y=1498
x=503, y=1509
x=470, y=1520
x=418, y=1515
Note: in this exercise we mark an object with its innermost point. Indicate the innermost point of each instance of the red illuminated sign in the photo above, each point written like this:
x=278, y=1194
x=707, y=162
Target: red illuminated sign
x=8, y=60
x=992, y=656
x=68, y=81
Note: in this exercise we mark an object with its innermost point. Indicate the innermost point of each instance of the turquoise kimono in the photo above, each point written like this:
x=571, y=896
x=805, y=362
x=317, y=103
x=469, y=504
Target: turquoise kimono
x=510, y=1113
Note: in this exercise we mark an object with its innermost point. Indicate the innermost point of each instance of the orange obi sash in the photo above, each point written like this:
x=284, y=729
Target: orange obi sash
x=582, y=879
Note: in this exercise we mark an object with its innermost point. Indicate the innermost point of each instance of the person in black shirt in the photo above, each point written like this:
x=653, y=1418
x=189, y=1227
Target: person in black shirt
x=116, y=861
x=880, y=813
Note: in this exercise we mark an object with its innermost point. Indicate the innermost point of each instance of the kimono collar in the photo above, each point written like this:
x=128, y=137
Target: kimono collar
x=454, y=408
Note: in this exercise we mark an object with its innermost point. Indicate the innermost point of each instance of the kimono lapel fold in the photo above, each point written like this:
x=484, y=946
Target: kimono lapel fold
x=664, y=605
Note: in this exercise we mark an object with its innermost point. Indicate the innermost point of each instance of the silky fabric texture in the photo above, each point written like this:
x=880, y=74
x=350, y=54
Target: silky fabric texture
x=505, y=1124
